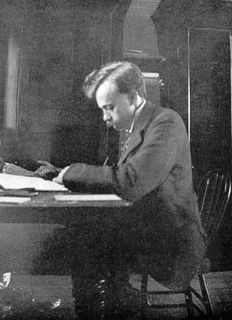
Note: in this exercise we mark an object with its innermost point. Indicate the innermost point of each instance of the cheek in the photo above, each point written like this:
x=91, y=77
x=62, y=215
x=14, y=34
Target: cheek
x=125, y=114
x=115, y=115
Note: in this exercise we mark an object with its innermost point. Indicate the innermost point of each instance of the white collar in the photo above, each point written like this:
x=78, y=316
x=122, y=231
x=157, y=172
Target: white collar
x=136, y=114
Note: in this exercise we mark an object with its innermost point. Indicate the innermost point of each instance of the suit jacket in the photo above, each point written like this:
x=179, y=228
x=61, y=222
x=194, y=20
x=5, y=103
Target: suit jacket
x=155, y=173
x=154, y=169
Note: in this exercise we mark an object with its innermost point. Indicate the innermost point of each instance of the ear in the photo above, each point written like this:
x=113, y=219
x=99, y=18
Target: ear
x=133, y=95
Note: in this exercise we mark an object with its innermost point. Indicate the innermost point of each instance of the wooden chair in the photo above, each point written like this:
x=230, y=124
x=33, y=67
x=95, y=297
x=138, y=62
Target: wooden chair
x=213, y=192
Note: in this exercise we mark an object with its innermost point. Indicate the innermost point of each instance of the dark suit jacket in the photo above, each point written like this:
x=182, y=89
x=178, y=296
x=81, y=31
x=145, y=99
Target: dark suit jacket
x=154, y=171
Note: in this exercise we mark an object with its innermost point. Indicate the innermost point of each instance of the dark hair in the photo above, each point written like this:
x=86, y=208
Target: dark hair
x=127, y=76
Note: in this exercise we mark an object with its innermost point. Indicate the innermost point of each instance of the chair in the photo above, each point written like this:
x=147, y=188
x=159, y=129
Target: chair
x=213, y=192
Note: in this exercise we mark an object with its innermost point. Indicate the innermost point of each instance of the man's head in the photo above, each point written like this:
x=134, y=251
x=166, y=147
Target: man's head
x=118, y=89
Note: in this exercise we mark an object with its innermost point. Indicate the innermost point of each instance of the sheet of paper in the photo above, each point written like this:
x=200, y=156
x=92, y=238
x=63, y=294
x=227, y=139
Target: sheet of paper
x=87, y=197
x=14, y=199
x=10, y=181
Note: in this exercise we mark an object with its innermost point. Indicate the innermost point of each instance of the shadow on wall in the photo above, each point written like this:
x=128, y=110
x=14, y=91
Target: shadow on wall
x=70, y=144
x=21, y=243
x=12, y=149
x=55, y=255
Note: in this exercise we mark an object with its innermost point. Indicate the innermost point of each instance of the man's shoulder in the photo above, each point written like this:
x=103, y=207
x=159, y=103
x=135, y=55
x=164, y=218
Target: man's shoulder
x=164, y=113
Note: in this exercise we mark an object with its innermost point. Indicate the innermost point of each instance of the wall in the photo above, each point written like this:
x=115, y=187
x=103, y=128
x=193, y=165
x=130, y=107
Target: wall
x=58, y=43
x=208, y=88
x=58, y=46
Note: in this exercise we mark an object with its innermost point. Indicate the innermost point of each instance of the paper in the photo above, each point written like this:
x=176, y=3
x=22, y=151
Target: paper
x=87, y=197
x=14, y=199
x=11, y=181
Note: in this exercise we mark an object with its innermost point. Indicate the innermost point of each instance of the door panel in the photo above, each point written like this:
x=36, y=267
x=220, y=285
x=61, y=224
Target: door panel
x=209, y=98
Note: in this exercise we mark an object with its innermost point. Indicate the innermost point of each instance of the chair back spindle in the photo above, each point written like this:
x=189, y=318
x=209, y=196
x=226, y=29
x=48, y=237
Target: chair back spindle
x=213, y=192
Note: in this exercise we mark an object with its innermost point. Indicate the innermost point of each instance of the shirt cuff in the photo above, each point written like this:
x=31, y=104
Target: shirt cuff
x=62, y=172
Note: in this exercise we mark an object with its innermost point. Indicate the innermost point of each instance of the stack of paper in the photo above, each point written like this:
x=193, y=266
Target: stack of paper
x=87, y=197
x=14, y=199
x=10, y=181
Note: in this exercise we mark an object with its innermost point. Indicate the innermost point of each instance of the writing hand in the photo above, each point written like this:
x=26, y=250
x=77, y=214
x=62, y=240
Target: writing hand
x=46, y=170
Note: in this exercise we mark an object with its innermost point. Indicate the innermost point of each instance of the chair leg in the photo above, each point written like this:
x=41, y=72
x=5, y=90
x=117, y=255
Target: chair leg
x=189, y=304
x=144, y=284
x=206, y=297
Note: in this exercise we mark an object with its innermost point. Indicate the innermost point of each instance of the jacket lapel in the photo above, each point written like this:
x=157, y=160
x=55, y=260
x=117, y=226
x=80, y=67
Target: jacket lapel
x=136, y=136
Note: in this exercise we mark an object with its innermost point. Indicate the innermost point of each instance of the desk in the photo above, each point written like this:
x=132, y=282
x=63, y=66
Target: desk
x=43, y=208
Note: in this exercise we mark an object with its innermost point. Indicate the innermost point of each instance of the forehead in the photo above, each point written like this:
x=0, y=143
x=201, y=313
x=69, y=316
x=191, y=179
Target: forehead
x=106, y=92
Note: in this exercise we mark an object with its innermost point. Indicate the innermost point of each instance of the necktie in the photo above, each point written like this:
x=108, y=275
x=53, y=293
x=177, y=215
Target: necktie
x=124, y=141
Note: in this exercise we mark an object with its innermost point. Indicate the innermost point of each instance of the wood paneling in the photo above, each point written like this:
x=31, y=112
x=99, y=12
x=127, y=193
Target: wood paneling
x=59, y=45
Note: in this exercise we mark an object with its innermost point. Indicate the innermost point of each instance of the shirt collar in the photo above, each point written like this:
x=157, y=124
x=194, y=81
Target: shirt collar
x=136, y=114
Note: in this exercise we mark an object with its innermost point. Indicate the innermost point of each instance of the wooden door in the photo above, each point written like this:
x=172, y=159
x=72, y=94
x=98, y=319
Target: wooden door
x=209, y=98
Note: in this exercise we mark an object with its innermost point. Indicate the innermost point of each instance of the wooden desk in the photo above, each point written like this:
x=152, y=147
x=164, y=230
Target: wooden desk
x=43, y=208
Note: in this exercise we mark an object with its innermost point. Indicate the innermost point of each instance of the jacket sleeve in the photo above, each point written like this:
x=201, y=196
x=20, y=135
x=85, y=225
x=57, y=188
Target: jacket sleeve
x=144, y=169
x=89, y=178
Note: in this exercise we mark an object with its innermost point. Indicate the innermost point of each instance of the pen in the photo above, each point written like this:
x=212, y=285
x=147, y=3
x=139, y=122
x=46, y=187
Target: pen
x=105, y=162
x=107, y=147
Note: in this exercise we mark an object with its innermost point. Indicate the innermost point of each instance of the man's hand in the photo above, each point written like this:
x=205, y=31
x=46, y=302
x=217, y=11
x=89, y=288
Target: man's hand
x=46, y=170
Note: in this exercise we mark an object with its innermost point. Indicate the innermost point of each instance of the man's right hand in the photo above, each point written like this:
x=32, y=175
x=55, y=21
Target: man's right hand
x=46, y=170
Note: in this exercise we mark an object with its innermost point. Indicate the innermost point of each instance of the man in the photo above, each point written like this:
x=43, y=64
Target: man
x=165, y=236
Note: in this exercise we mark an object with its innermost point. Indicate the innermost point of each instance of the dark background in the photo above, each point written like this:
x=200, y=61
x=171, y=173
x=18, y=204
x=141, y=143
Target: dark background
x=48, y=47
